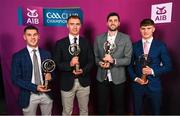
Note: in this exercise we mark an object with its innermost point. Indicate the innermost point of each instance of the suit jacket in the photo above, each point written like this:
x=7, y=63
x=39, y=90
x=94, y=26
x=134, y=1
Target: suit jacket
x=122, y=55
x=62, y=58
x=22, y=74
x=159, y=61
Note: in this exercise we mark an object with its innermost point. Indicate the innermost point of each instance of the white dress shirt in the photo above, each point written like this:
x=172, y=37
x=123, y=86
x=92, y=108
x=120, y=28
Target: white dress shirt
x=111, y=40
x=71, y=39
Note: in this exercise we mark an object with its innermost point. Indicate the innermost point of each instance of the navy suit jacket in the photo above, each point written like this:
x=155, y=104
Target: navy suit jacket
x=62, y=57
x=22, y=74
x=159, y=61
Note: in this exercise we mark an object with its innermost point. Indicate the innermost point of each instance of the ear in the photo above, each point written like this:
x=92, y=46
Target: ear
x=154, y=29
x=24, y=37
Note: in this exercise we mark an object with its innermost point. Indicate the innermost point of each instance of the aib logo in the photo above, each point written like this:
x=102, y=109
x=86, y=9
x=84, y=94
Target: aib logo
x=161, y=13
x=32, y=16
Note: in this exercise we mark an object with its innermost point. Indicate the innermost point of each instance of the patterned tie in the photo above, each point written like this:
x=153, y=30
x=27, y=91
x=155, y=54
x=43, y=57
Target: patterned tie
x=146, y=49
x=36, y=69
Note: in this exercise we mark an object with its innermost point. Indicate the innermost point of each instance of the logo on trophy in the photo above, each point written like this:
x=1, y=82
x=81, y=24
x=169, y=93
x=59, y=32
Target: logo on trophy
x=74, y=50
x=144, y=60
x=48, y=66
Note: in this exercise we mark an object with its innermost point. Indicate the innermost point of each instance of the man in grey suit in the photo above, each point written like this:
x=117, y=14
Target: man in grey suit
x=111, y=74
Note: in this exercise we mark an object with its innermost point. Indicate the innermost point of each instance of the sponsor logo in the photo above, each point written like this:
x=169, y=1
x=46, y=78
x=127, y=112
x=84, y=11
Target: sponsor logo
x=58, y=17
x=46, y=16
x=161, y=13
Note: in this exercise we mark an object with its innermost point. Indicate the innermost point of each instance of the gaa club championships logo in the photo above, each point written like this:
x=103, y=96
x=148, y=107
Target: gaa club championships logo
x=46, y=16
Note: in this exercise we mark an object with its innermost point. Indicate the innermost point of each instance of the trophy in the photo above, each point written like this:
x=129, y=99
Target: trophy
x=109, y=48
x=48, y=66
x=145, y=60
x=74, y=50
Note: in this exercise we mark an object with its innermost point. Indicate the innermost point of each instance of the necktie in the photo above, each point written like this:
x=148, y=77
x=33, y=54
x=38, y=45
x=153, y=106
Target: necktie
x=146, y=49
x=75, y=40
x=36, y=69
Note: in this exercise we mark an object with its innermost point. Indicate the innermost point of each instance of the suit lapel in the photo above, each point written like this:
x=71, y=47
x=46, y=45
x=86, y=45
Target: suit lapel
x=104, y=39
x=27, y=57
x=152, y=47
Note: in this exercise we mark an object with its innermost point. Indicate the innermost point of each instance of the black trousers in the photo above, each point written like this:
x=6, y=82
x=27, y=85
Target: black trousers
x=107, y=93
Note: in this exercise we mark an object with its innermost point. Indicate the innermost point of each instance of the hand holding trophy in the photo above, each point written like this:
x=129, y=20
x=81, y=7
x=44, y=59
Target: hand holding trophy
x=145, y=61
x=48, y=66
x=74, y=50
x=109, y=49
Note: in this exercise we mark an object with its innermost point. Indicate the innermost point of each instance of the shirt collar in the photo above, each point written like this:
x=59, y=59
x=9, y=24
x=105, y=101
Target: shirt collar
x=148, y=40
x=71, y=37
x=112, y=34
x=30, y=49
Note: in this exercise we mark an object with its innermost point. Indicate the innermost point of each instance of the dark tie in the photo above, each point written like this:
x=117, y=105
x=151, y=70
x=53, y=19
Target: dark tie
x=75, y=40
x=36, y=69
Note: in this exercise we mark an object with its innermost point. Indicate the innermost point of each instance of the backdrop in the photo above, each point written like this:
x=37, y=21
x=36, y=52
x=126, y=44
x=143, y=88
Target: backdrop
x=95, y=12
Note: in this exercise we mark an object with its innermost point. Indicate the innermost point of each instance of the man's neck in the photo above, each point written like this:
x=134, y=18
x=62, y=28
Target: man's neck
x=112, y=33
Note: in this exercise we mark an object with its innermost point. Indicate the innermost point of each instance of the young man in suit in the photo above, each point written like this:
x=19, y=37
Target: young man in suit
x=28, y=76
x=155, y=63
x=111, y=74
x=74, y=66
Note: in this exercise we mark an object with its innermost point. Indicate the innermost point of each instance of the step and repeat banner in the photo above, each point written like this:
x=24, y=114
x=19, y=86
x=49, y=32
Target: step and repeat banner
x=50, y=17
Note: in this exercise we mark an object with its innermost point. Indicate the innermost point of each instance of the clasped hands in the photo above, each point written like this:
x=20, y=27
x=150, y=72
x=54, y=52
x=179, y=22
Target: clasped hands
x=107, y=61
x=75, y=61
x=147, y=71
x=42, y=88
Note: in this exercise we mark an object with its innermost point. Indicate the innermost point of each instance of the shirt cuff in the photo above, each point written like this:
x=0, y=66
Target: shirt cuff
x=135, y=79
x=152, y=72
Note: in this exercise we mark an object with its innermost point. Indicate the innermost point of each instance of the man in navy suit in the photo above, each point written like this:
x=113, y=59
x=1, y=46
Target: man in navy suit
x=155, y=63
x=74, y=81
x=32, y=91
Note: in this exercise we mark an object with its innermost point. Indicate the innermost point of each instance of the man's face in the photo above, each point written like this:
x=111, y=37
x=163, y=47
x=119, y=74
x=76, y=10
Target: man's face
x=31, y=36
x=113, y=23
x=147, y=31
x=74, y=26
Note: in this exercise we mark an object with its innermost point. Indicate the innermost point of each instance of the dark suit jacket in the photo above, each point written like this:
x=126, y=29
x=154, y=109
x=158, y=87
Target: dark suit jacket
x=159, y=61
x=62, y=59
x=22, y=74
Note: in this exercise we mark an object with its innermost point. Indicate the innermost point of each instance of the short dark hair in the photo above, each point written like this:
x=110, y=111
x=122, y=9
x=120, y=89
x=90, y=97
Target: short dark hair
x=147, y=22
x=73, y=17
x=113, y=14
x=30, y=27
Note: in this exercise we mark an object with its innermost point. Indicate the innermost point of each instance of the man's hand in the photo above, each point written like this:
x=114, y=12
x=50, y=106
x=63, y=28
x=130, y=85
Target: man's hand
x=74, y=61
x=42, y=88
x=108, y=58
x=104, y=64
x=147, y=70
x=79, y=72
x=140, y=81
x=47, y=76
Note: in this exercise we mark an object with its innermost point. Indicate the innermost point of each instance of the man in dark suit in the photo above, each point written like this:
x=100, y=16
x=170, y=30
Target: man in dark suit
x=150, y=59
x=111, y=74
x=74, y=69
x=28, y=76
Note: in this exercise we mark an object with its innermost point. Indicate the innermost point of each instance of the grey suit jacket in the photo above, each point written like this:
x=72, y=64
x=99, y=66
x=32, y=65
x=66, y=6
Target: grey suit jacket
x=122, y=55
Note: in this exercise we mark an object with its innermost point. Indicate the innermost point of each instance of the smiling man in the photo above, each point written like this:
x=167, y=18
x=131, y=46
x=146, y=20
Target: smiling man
x=28, y=76
x=73, y=56
x=150, y=58
x=111, y=64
